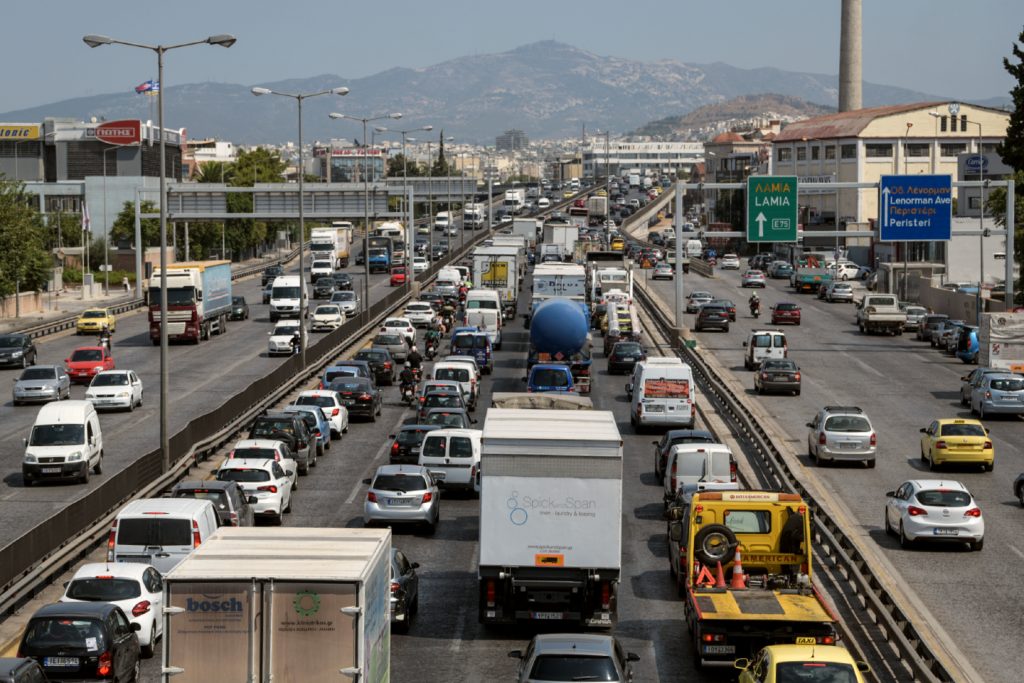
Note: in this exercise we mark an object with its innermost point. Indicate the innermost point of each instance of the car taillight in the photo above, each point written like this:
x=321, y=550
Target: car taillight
x=797, y=377
x=821, y=439
x=874, y=439
x=732, y=471
x=988, y=445
x=387, y=365
x=764, y=375
x=914, y=511
x=196, y=538
x=940, y=445
x=111, y=541
x=335, y=412
x=673, y=476
x=606, y=594
x=395, y=586
x=394, y=448
x=364, y=397
x=271, y=488
x=491, y=592
x=371, y=497
x=988, y=394
x=973, y=512
x=713, y=637
x=826, y=640
x=233, y=518
x=105, y=664
x=320, y=385
x=427, y=497
x=140, y=608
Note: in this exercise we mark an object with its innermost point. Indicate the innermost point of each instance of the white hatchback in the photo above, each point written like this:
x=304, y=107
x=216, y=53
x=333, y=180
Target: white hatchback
x=729, y=262
x=115, y=389
x=934, y=510
x=330, y=403
x=280, y=342
x=327, y=317
x=419, y=313
x=265, y=479
x=420, y=264
x=402, y=326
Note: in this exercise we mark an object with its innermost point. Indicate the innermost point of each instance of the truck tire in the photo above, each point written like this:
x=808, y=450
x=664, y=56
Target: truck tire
x=715, y=543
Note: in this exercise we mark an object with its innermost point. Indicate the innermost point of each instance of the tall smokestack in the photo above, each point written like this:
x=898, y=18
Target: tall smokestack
x=850, y=79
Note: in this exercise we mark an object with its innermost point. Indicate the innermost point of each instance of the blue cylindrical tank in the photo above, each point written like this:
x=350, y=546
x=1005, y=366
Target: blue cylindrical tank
x=558, y=326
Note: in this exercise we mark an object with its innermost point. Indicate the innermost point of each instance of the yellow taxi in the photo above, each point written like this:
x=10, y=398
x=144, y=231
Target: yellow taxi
x=568, y=194
x=778, y=663
x=957, y=440
x=92, y=321
x=602, y=192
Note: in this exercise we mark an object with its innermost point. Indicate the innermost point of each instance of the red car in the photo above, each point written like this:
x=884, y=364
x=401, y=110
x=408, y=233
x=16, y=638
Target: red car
x=85, y=362
x=397, y=276
x=785, y=313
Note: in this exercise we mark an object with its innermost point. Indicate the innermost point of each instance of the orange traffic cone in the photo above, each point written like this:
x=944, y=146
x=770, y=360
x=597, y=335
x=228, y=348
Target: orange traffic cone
x=739, y=577
x=720, y=578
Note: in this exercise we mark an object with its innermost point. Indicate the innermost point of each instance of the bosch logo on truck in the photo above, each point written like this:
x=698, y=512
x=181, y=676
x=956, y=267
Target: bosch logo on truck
x=214, y=605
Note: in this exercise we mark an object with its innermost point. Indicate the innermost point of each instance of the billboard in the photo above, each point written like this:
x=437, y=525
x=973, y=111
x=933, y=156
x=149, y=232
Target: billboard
x=19, y=131
x=125, y=132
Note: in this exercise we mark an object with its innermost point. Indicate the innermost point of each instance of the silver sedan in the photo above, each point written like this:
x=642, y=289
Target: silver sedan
x=42, y=383
x=403, y=494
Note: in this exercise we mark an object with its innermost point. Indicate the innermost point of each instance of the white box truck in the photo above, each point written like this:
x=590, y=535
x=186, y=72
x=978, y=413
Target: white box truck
x=499, y=268
x=1001, y=341
x=515, y=201
x=562, y=235
x=529, y=228
x=550, y=517
x=285, y=604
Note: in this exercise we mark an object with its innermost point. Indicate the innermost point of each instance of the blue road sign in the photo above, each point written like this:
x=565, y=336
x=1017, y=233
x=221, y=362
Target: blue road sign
x=915, y=208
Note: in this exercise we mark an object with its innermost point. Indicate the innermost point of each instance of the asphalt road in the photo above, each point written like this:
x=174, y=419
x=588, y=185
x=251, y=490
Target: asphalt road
x=902, y=384
x=201, y=377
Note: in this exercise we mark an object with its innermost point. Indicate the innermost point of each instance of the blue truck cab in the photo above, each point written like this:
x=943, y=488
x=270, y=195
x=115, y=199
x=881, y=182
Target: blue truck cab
x=552, y=377
x=474, y=343
x=380, y=260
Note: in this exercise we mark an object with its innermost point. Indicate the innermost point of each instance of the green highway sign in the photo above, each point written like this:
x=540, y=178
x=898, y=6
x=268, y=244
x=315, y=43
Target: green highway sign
x=771, y=208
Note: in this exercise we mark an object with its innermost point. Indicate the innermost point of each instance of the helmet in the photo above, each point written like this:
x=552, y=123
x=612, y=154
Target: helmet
x=413, y=348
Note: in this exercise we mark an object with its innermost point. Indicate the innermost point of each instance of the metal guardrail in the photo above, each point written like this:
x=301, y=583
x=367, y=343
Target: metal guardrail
x=902, y=635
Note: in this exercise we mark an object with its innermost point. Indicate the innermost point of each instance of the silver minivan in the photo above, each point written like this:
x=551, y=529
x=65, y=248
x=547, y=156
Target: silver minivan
x=160, y=531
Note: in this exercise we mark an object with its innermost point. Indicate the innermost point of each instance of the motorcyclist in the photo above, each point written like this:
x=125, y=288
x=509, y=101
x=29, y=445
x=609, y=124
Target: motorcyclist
x=433, y=338
x=406, y=380
x=415, y=359
x=105, y=336
x=755, y=304
x=296, y=341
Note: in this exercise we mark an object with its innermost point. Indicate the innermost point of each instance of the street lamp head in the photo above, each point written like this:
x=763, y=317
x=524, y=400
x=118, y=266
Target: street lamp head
x=261, y=91
x=427, y=128
x=335, y=115
x=396, y=115
x=339, y=91
x=95, y=41
x=222, y=39
x=380, y=129
x=410, y=139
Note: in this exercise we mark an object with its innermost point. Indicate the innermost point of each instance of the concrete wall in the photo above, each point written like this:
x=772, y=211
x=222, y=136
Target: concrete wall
x=954, y=304
x=31, y=302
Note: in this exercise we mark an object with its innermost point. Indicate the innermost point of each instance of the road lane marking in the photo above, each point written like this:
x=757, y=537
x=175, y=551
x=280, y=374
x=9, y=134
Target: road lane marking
x=864, y=365
x=1016, y=550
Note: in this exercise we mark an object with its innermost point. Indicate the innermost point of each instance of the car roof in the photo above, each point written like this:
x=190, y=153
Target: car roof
x=579, y=644
x=247, y=464
x=960, y=420
x=258, y=443
x=401, y=469
x=97, y=610
x=458, y=431
x=133, y=570
x=821, y=653
x=952, y=484
x=190, y=484
x=118, y=371
x=330, y=393
x=418, y=428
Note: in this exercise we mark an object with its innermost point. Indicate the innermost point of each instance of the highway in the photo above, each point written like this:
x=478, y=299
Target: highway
x=902, y=384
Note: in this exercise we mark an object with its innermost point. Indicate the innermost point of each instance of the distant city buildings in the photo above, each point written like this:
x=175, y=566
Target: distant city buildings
x=511, y=141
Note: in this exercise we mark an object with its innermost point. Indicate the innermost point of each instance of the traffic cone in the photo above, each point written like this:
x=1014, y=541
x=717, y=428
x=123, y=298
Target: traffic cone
x=739, y=577
x=720, y=577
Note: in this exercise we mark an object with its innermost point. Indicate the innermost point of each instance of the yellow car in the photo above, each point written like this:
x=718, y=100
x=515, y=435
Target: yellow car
x=568, y=194
x=602, y=192
x=778, y=663
x=957, y=440
x=92, y=321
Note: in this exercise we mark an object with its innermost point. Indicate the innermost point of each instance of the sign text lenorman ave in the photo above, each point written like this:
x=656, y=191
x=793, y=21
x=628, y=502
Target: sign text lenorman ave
x=771, y=209
x=915, y=207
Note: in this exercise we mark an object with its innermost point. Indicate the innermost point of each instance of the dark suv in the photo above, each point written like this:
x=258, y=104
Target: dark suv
x=712, y=316
x=381, y=363
x=17, y=350
x=270, y=273
x=83, y=640
x=21, y=670
x=233, y=506
x=291, y=429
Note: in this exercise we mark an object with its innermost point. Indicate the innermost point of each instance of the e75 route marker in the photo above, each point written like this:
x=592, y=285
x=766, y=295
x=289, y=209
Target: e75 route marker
x=771, y=209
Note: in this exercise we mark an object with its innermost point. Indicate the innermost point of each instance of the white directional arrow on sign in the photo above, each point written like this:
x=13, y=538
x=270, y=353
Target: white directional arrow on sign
x=760, y=224
x=885, y=206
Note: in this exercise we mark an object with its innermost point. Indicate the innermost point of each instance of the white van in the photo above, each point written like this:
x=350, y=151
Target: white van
x=65, y=443
x=694, y=248
x=465, y=373
x=483, y=310
x=392, y=230
x=456, y=454
x=160, y=531
x=694, y=467
x=662, y=393
x=284, y=297
x=763, y=344
x=447, y=282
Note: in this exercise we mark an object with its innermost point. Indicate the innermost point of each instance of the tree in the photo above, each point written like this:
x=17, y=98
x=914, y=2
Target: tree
x=441, y=168
x=1011, y=149
x=397, y=168
x=996, y=207
x=123, y=228
x=25, y=262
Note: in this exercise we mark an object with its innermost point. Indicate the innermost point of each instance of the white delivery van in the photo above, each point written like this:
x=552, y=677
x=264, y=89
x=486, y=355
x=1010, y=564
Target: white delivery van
x=483, y=310
x=464, y=373
x=695, y=467
x=763, y=344
x=65, y=443
x=160, y=531
x=694, y=248
x=447, y=282
x=455, y=454
x=285, y=293
x=663, y=394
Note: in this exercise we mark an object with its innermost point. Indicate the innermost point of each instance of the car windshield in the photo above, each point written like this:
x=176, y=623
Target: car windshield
x=442, y=401
x=116, y=379
x=962, y=430
x=1007, y=384
x=94, y=314
x=65, y=633
x=786, y=307
x=39, y=373
x=700, y=295
x=285, y=293
x=9, y=342
x=218, y=497
x=452, y=374
x=327, y=310
x=243, y=475
x=944, y=498
x=57, y=435
x=762, y=341
x=269, y=427
x=573, y=668
x=322, y=265
x=627, y=349
x=318, y=401
x=333, y=374
x=847, y=423
x=456, y=447
x=255, y=453
x=154, y=531
x=815, y=671
x=399, y=482
x=410, y=437
x=344, y=296
x=778, y=365
x=86, y=355
x=103, y=590
x=238, y=300
x=708, y=308
x=347, y=386
x=470, y=341
x=550, y=377
x=388, y=340
x=372, y=356
x=447, y=419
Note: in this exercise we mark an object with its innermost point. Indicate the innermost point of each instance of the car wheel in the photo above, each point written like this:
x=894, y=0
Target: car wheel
x=888, y=527
x=1020, y=495
x=147, y=650
x=84, y=479
x=432, y=527
x=905, y=542
x=988, y=467
x=796, y=393
x=98, y=468
x=870, y=464
x=981, y=410
x=963, y=400
x=931, y=462
x=24, y=362
x=288, y=509
x=977, y=545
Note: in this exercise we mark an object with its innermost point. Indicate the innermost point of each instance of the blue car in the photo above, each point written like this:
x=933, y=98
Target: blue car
x=967, y=345
x=323, y=427
x=550, y=377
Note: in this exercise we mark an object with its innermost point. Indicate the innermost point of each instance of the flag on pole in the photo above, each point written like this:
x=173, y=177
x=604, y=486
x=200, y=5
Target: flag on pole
x=86, y=220
x=149, y=87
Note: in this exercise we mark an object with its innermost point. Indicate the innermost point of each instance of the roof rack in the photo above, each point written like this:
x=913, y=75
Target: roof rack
x=843, y=409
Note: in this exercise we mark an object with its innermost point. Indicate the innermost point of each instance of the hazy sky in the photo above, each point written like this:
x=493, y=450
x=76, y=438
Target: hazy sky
x=943, y=47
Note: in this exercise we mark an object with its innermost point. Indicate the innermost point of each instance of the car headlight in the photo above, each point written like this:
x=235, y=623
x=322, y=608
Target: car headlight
x=75, y=457
x=30, y=459
x=16, y=354
x=123, y=394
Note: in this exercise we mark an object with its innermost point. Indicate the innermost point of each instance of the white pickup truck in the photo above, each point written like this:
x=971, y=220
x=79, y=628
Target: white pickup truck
x=880, y=313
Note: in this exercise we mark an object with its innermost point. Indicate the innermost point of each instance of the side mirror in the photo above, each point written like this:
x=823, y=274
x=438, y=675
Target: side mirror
x=676, y=514
x=744, y=344
x=136, y=626
x=391, y=436
x=24, y=442
x=67, y=360
x=366, y=481
x=890, y=494
x=632, y=657
x=66, y=583
x=524, y=379
x=810, y=424
x=415, y=565
x=290, y=473
x=863, y=667
x=252, y=500
x=516, y=654
x=741, y=663
x=675, y=531
x=923, y=430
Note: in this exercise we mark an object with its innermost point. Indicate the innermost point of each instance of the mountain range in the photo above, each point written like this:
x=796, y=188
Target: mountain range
x=547, y=89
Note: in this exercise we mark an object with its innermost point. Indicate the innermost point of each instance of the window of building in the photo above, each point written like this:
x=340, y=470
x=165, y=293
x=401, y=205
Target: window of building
x=974, y=202
x=963, y=122
x=815, y=153
x=942, y=123
x=801, y=154
x=951, y=149
x=830, y=152
x=989, y=147
x=848, y=151
x=878, y=150
x=785, y=154
x=917, y=149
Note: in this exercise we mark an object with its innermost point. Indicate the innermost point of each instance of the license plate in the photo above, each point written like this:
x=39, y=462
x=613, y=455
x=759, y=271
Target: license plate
x=627, y=358
x=848, y=444
x=399, y=501
x=60, y=661
x=780, y=377
x=50, y=470
x=719, y=649
x=547, y=615
x=347, y=402
x=947, y=532
x=654, y=408
x=806, y=640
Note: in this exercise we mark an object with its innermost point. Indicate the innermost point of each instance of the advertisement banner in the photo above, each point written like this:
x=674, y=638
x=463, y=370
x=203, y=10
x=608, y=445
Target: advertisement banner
x=309, y=633
x=126, y=132
x=495, y=275
x=19, y=131
x=210, y=639
x=666, y=388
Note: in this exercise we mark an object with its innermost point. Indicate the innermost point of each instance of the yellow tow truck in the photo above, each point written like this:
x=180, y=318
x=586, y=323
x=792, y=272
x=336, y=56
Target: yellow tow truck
x=743, y=562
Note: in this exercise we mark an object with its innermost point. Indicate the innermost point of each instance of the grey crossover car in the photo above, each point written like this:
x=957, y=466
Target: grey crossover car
x=42, y=383
x=574, y=657
x=402, y=494
x=842, y=433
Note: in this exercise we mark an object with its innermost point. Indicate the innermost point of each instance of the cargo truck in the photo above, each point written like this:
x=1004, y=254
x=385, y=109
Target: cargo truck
x=529, y=228
x=597, y=207
x=810, y=279
x=579, y=217
x=198, y=300
x=560, y=333
x=759, y=542
x=288, y=604
x=499, y=268
x=332, y=243
x=562, y=234
x=1001, y=341
x=474, y=216
x=558, y=279
x=380, y=251
x=515, y=201
x=550, y=517
x=880, y=313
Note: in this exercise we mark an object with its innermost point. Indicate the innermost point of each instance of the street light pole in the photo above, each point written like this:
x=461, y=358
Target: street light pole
x=299, y=97
x=223, y=40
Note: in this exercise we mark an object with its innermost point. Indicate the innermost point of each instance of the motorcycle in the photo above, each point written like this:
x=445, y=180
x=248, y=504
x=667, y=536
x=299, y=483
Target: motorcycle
x=755, y=309
x=430, y=351
x=408, y=393
x=417, y=374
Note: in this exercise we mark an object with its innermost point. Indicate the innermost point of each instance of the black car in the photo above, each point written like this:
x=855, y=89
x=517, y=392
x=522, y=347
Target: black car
x=439, y=400
x=674, y=437
x=324, y=287
x=233, y=506
x=730, y=307
x=711, y=316
x=342, y=282
x=381, y=363
x=362, y=369
x=624, y=356
x=405, y=590
x=83, y=640
x=21, y=670
x=435, y=300
x=777, y=375
x=239, y=308
x=360, y=396
x=270, y=273
x=405, y=445
x=292, y=430
x=17, y=350
x=360, y=258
